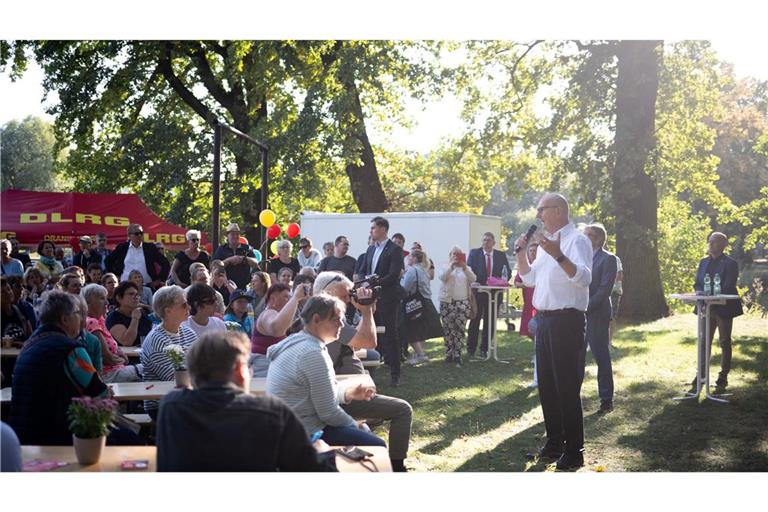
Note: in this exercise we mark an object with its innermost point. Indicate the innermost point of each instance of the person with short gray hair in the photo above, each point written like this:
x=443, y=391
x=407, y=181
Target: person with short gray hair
x=11, y=266
x=604, y=269
x=252, y=433
x=171, y=307
x=180, y=270
x=283, y=260
x=115, y=363
x=52, y=368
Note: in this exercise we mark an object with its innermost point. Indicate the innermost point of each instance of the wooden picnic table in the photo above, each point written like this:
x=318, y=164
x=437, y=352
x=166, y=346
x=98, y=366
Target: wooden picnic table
x=131, y=352
x=112, y=456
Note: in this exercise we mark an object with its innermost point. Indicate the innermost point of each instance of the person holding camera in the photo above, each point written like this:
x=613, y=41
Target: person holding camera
x=456, y=279
x=342, y=352
x=273, y=324
x=301, y=374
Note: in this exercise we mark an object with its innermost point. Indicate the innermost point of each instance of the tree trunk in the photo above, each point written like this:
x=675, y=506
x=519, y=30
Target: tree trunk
x=363, y=179
x=634, y=190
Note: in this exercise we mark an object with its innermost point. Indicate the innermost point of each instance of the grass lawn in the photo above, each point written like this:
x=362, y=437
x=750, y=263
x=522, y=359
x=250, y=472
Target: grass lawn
x=482, y=417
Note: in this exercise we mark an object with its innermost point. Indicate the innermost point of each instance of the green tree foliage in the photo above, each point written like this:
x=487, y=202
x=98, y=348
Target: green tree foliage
x=138, y=115
x=28, y=155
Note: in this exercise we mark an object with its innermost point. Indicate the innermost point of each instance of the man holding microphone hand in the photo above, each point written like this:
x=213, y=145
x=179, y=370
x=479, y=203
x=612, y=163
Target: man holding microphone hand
x=561, y=275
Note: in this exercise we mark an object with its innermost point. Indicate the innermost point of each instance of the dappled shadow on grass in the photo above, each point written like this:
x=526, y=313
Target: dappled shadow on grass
x=512, y=454
x=484, y=418
x=708, y=436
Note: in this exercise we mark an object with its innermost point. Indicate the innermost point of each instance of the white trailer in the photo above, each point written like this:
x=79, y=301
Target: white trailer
x=436, y=231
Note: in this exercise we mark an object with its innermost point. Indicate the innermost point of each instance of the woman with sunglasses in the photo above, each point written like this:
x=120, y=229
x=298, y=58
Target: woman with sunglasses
x=171, y=307
x=192, y=254
x=202, y=310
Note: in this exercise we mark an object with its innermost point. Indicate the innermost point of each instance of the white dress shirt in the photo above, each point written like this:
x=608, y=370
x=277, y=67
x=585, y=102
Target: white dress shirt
x=554, y=289
x=134, y=260
x=376, y=253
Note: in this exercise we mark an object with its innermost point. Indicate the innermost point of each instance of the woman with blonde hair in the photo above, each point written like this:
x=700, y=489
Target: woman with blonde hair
x=455, y=309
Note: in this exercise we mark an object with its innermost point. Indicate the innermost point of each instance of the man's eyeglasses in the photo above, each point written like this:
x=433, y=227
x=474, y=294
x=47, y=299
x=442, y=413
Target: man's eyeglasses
x=194, y=239
x=137, y=233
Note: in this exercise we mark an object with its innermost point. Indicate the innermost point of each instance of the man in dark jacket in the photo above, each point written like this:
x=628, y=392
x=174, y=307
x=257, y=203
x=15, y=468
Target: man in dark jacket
x=87, y=254
x=385, y=259
x=721, y=316
x=139, y=255
x=599, y=313
x=485, y=262
x=220, y=426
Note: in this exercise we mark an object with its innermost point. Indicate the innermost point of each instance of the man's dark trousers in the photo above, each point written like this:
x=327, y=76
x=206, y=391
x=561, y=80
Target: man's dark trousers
x=560, y=351
x=474, y=324
x=387, y=315
x=599, y=344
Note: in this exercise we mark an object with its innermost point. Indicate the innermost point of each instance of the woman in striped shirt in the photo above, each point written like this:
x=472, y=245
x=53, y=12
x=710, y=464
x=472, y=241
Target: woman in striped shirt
x=171, y=307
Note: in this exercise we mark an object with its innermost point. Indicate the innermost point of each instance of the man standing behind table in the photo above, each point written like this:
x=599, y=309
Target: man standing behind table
x=604, y=267
x=485, y=262
x=385, y=258
x=721, y=316
x=339, y=261
x=139, y=255
x=561, y=275
x=238, y=258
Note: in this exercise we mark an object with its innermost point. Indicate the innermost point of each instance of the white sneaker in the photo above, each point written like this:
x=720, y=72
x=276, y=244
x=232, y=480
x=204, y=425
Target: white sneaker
x=417, y=359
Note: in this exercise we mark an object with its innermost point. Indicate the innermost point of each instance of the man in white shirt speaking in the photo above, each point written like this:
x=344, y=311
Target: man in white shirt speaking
x=561, y=275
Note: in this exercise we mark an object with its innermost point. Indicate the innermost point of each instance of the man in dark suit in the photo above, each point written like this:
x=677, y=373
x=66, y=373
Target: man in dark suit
x=721, y=316
x=385, y=258
x=139, y=255
x=604, y=269
x=484, y=261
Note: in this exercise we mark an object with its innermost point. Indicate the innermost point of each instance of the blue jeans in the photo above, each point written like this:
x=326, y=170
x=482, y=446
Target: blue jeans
x=344, y=436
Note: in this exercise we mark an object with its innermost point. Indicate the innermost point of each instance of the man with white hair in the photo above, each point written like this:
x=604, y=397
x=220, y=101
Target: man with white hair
x=604, y=269
x=561, y=275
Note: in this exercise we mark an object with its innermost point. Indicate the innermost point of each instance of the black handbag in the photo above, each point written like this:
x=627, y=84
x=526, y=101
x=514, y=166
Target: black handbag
x=414, y=303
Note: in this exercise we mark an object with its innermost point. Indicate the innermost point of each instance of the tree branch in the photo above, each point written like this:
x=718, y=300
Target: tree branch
x=164, y=65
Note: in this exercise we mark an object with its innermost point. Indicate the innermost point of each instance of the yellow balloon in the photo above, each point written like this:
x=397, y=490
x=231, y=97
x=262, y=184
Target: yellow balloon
x=267, y=218
x=273, y=247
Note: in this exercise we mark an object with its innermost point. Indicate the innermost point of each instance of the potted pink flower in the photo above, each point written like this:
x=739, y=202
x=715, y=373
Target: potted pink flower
x=90, y=420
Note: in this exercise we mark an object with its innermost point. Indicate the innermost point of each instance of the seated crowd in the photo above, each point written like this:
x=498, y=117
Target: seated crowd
x=234, y=320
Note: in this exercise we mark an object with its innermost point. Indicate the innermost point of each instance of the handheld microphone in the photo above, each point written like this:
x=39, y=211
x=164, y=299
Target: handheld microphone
x=528, y=235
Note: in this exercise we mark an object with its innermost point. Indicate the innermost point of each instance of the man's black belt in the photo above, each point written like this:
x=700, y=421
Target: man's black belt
x=557, y=312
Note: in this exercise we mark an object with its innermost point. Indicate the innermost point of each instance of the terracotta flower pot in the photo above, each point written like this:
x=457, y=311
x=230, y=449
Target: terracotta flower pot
x=182, y=378
x=88, y=451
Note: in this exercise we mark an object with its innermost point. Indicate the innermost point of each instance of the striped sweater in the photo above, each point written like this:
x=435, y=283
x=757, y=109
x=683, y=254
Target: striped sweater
x=301, y=374
x=157, y=364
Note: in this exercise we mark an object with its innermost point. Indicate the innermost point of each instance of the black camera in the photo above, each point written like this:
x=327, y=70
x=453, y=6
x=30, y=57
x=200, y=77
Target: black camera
x=372, y=283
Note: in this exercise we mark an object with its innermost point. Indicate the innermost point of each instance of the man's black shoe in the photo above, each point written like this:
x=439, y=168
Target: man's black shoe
x=483, y=354
x=568, y=461
x=394, y=381
x=606, y=406
x=722, y=381
x=551, y=450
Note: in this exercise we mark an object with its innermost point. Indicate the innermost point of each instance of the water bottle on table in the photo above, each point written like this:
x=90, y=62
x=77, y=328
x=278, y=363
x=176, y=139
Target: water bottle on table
x=707, y=285
x=716, y=285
